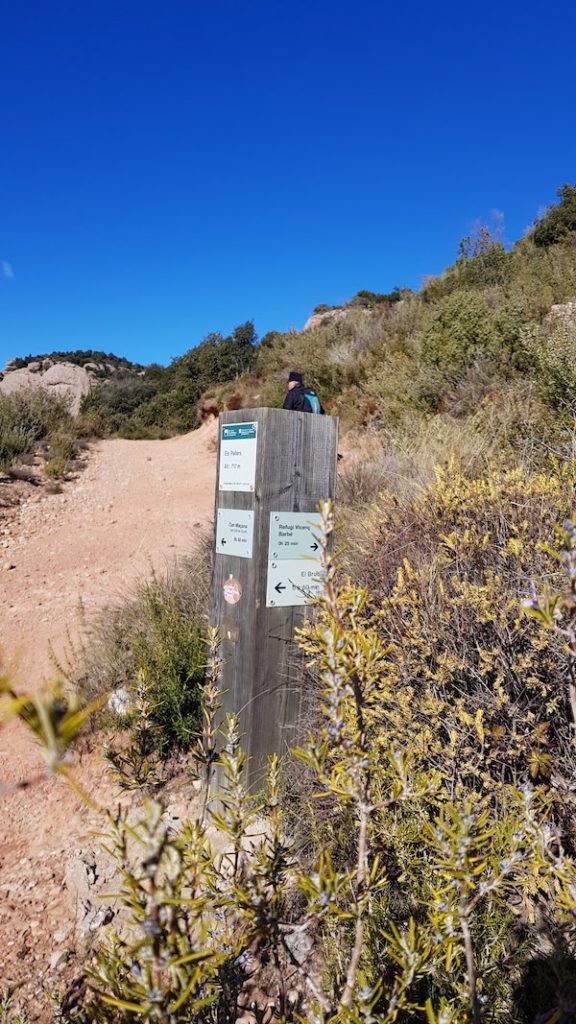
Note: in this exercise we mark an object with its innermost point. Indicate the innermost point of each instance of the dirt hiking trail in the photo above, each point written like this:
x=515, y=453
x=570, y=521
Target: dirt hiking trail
x=136, y=506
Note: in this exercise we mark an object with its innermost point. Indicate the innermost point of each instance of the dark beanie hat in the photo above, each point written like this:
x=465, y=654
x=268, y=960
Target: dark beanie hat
x=294, y=375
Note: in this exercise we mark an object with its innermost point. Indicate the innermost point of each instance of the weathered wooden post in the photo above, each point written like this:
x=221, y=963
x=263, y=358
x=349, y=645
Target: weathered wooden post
x=273, y=469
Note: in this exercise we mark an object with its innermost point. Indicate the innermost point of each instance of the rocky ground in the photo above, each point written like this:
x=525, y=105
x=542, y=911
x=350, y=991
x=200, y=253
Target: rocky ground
x=136, y=505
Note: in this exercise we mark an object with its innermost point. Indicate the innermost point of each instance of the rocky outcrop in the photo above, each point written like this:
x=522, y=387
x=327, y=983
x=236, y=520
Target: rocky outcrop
x=323, y=318
x=563, y=314
x=65, y=380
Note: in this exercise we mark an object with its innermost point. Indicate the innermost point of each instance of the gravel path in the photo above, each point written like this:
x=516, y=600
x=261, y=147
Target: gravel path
x=137, y=505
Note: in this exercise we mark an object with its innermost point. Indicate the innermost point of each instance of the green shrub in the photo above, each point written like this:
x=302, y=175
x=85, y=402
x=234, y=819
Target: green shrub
x=14, y=441
x=361, y=483
x=273, y=391
x=92, y=422
x=163, y=401
x=154, y=640
x=461, y=329
x=553, y=351
x=62, y=445
x=55, y=469
x=368, y=299
x=482, y=263
x=393, y=390
x=25, y=419
x=559, y=222
x=169, y=652
x=446, y=568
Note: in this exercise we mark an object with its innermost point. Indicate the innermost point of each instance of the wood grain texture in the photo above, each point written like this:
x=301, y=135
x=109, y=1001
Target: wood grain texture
x=261, y=678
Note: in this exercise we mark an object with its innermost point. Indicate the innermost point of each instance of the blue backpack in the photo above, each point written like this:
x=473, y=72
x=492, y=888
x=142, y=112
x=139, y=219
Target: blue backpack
x=313, y=402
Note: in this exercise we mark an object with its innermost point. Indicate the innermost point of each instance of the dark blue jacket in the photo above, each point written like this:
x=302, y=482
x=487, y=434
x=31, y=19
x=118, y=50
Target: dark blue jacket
x=296, y=399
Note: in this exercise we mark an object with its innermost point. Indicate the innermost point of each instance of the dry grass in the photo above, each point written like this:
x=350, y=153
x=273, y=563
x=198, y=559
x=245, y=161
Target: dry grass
x=235, y=401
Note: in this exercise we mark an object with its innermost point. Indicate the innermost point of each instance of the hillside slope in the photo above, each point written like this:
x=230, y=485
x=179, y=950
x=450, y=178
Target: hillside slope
x=480, y=332
x=473, y=334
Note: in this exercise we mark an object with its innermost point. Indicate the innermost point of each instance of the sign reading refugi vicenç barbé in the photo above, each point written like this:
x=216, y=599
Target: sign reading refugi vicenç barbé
x=234, y=532
x=238, y=442
x=294, y=555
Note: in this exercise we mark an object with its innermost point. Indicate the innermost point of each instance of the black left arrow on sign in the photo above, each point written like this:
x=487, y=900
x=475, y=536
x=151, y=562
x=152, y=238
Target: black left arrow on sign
x=279, y=588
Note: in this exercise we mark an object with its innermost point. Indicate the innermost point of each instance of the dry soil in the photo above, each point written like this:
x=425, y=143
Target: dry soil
x=137, y=505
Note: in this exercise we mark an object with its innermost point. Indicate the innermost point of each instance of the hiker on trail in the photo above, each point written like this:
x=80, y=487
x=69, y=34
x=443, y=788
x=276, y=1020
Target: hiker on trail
x=300, y=398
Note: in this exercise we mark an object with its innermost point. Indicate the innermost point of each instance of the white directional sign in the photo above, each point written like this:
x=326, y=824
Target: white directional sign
x=238, y=442
x=292, y=582
x=234, y=532
x=294, y=535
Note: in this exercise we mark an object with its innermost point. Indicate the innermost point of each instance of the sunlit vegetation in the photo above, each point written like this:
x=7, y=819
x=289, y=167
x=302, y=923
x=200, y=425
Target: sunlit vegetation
x=415, y=859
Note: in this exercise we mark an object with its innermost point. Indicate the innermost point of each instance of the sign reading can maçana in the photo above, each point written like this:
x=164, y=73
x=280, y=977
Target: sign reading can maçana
x=238, y=443
x=234, y=532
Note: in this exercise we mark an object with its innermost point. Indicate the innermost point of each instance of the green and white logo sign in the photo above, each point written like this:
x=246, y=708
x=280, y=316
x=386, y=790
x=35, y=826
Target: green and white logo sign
x=238, y=443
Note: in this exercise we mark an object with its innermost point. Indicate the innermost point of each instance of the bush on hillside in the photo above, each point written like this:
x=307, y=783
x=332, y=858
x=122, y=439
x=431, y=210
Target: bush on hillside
x=163, y=402
x=478, y=266
x=461, y=329
x=446, y=569
x=62, y=444
x=332, y=356
x=155, y=640
x=27, y=418
x=119, y=399
x=15, y=440
x=79, y=357
x=541, y=277
x=392, y=392
x=559, y=222
x=552, y=348
x=470, y=774
x=368, y=299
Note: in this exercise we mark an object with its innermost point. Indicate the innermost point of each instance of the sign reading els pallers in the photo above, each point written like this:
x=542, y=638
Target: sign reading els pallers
x=238, y=443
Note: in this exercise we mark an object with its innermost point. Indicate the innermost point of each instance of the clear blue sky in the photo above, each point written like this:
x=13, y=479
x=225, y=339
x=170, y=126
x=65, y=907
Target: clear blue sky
x=168, y=169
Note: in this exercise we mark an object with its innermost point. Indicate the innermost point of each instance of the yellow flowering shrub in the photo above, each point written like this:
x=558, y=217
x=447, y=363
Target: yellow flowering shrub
x=445, y=680
x=475, y=685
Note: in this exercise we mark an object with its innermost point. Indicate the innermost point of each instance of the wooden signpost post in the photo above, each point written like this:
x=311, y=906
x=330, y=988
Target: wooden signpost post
x=274, y=467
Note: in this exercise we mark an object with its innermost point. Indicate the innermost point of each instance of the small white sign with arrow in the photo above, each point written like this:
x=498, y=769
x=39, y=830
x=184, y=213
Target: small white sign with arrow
x=234, y=532
x=292, y=581
x=295, y=535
